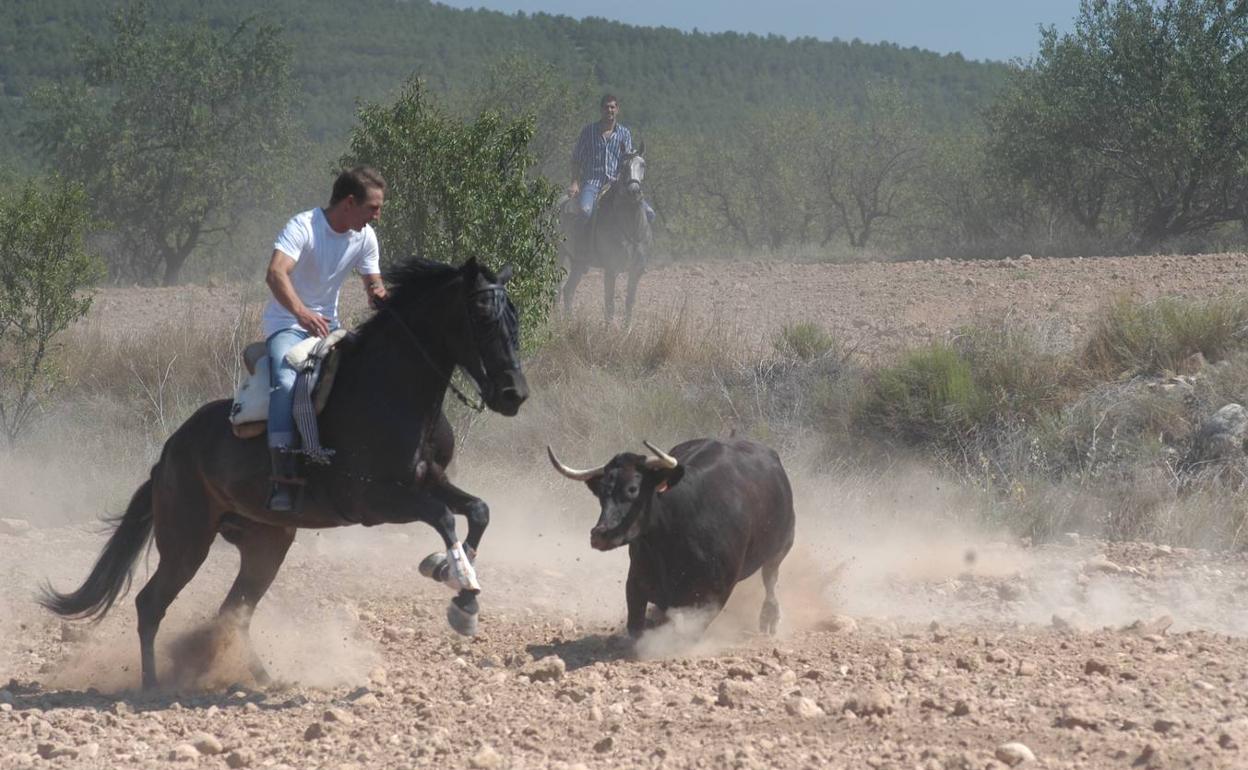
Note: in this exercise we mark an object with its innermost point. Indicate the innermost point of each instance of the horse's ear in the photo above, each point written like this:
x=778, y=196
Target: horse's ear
x=641, y=148
x=504, y=275
x=471, y=268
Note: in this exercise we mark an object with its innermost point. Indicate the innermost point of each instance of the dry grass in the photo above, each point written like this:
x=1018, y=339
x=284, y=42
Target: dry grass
x=1153, y=338
x=1044, y=450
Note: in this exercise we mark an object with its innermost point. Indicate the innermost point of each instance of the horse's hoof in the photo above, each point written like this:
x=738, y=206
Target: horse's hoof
x=461, y=613
x=434, y=566
x=453, y=568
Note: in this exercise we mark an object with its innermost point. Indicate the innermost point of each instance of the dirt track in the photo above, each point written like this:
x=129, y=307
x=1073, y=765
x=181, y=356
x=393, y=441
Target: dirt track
x=904, y=644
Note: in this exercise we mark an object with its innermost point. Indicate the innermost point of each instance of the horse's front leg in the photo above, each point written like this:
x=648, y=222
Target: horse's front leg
x=469, y=506
x=455, y=567
x=397, y=503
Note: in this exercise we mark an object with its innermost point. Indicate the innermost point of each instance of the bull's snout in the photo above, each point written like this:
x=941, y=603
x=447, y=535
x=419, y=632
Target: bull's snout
x=600, y=540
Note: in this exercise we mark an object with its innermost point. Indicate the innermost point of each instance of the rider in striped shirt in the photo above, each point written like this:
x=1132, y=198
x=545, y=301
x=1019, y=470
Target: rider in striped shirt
x=596, y=157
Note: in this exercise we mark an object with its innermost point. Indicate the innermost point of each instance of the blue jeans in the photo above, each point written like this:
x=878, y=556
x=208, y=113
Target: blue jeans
x=282, y=387
x=589, y=198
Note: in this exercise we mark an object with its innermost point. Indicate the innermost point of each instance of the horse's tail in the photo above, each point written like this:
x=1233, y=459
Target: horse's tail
x=110, y=577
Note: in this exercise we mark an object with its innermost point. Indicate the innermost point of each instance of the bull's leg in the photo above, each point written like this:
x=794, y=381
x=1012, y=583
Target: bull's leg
x=769, y=616
x=262, y=549
x=635, y=598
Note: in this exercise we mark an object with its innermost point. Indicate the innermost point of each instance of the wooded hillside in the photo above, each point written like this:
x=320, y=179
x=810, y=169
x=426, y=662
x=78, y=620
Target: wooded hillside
x=363, y=52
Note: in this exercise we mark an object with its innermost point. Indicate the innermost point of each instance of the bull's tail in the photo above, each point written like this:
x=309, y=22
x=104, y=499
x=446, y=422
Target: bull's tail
x=110, y=577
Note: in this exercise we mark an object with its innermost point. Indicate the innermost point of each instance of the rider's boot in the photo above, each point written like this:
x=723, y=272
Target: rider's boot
x=286, y=480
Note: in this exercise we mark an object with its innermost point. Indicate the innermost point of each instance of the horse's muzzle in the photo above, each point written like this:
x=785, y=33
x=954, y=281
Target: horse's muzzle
x=507, y=392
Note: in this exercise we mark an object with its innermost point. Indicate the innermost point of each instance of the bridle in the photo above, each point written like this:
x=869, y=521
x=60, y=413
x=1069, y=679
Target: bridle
x=503, y=312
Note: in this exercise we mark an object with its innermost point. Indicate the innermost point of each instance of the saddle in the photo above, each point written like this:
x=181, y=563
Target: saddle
x=317, y=357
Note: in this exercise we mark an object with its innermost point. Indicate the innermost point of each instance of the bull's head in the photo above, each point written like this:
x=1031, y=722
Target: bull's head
x=625, y=487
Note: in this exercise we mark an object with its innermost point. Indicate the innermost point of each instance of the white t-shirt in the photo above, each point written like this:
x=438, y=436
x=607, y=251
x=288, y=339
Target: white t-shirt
x=323, y=260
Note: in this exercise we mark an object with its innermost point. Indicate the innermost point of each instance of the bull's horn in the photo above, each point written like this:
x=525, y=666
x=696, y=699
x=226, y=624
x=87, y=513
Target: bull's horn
x=573, y=473
x=665, y=460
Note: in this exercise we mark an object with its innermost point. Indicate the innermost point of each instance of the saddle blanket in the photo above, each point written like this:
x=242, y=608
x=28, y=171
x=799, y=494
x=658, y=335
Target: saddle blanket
x=249, y=414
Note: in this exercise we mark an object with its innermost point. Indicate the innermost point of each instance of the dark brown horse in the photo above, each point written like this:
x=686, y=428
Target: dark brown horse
x=617, y=239
x=384, y=420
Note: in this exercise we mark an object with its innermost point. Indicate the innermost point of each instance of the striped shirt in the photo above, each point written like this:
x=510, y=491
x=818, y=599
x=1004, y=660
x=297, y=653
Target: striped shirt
x=597, y=158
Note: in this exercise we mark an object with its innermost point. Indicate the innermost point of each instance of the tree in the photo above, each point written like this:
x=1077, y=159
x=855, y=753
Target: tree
x=43, y=273
x=865, y=163
x=458, y=189
x=1141, y=112
x=972, y=207
x=172, y=131
x=754, y=181
x=523, y=84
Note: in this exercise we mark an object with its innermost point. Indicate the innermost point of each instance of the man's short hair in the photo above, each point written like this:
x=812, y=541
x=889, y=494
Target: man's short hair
x=357, y=182
x=607, y=98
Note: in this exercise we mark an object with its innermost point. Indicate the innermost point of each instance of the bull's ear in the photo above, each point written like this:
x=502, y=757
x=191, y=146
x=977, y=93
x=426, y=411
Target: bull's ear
x=668, y=478
x=595, y=485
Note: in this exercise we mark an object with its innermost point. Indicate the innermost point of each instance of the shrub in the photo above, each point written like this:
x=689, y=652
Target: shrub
x=1019, y=376
x=43, y=272
x=930, y=395
x=805, y=341
x=1150, y=338
x=457, y=190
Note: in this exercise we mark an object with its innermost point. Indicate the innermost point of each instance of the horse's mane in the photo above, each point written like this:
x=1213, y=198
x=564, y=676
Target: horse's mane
x=411, y=280
x=416, y=276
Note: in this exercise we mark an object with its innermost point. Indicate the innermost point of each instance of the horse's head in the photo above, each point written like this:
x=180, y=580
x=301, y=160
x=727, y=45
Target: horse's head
x=633, y=173
x=491, y=352
x=460, y=316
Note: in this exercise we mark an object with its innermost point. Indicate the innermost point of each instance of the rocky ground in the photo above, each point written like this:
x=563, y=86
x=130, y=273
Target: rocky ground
x=1081, y=654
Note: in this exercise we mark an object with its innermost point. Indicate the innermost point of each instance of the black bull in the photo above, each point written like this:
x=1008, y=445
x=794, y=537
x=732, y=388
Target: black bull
x=697, y=522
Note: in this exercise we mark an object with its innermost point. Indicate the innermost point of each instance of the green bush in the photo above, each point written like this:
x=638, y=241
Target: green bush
x=805, y=341
x=930, y=396
x=1019, y=376
x=44, y=271
x=1151, y=338
x=458, y=190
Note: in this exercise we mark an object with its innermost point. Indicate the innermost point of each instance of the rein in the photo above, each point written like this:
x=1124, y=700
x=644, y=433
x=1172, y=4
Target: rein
x=450, y=383
x=497, y=291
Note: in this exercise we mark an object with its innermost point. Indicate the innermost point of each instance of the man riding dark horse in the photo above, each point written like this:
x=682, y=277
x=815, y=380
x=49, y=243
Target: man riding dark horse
x=312, y=257
x=611, y=226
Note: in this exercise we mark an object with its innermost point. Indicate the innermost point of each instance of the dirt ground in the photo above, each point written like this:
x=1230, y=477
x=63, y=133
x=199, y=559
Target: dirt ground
x=877, y=307
x=905, y=642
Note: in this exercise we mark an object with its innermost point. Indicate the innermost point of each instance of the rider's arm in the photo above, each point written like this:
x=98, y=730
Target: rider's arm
x=369, y=268
x=374, y=288
x=278, y=279
x=579, y=151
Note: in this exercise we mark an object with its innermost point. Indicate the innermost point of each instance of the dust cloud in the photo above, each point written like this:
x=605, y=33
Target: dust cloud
x=899, y=546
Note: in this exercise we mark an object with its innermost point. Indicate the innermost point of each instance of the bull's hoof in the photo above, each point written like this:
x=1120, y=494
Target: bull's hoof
x=461, y=613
